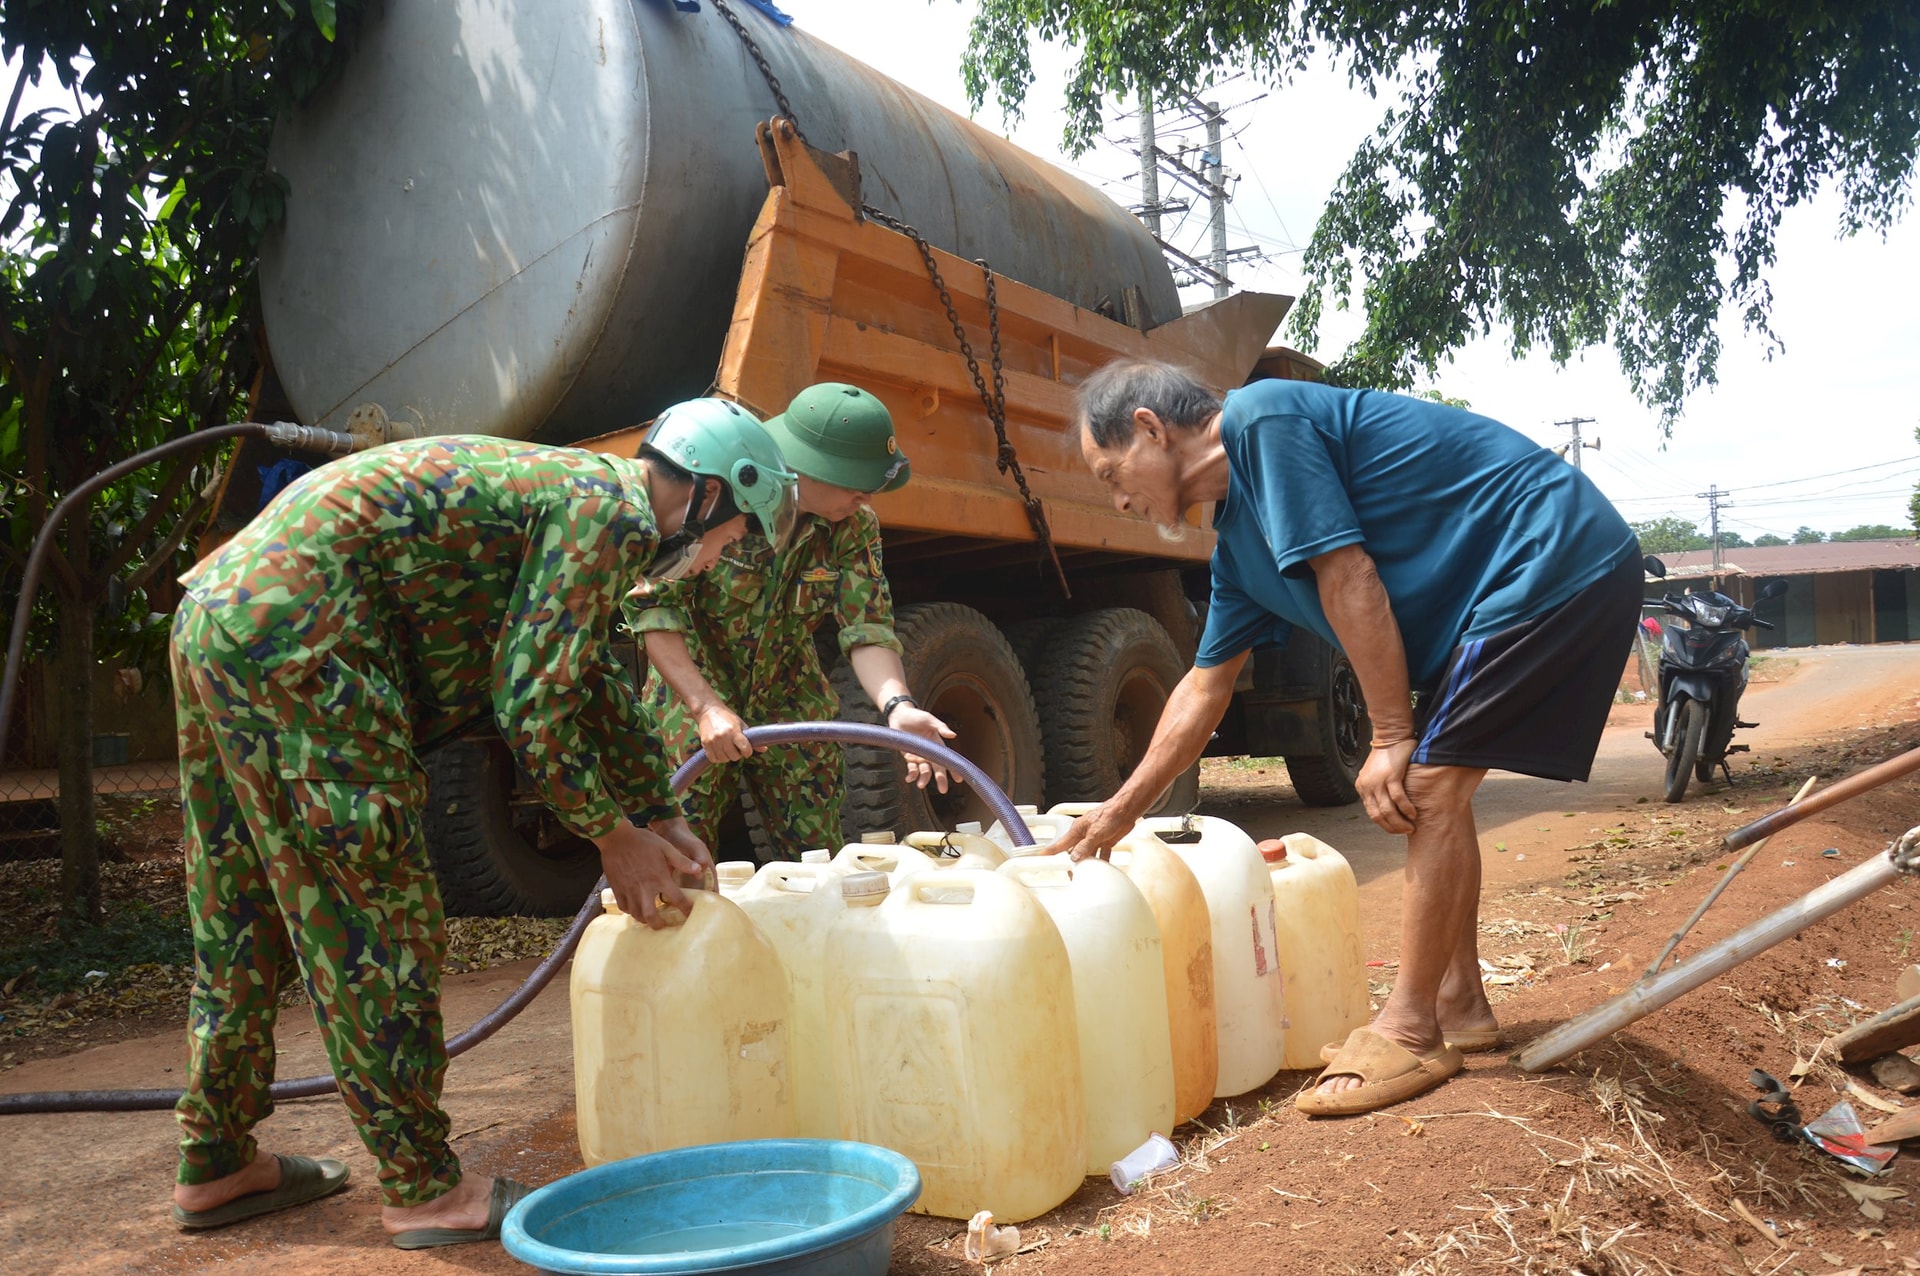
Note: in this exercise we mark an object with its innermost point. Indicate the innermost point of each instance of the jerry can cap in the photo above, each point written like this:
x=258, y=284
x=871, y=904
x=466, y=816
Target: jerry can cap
x=877, y=839
x=1273, y=850
x=819, y=855
x=863, y=885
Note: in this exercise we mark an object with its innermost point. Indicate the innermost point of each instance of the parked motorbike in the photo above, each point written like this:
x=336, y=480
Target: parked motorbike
x=1703, y=671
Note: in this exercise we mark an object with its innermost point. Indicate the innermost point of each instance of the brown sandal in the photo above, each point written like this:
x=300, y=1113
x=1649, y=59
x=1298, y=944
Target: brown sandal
x=1389, y=1073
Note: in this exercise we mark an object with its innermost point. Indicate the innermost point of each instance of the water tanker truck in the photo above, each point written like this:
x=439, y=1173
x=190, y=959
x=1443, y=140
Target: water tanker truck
x=549, y=219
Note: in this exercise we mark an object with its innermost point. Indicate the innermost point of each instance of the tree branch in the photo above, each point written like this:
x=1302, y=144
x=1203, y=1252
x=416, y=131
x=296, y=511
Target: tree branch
x=19, y=88
x=146, y=571
x=130, y=544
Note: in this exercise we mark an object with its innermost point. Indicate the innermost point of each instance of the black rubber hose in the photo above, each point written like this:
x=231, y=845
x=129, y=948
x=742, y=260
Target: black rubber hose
x=47, y=1101
x=284, y=433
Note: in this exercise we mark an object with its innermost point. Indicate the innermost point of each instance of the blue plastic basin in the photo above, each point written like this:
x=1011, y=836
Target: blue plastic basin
x=799, y=1207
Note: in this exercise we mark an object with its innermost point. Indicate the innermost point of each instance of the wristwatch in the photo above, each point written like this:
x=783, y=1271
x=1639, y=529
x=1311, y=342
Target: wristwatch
x=886, y=710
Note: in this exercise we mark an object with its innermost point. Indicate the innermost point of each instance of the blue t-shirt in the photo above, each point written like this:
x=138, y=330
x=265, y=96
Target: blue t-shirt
x=1472, y=526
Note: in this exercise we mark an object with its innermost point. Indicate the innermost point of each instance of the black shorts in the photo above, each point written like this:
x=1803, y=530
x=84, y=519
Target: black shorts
x=1534, y=697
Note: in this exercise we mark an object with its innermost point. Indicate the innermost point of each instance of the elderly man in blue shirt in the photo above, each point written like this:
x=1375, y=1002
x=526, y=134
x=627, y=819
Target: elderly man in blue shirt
x=1445, y=554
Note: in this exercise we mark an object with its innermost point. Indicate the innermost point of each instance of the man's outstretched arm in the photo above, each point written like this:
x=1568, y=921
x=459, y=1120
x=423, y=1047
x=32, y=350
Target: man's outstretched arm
x=1357, y=607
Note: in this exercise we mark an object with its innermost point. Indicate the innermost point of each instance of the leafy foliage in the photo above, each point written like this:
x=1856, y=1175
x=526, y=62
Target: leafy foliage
x=128, y=239
x=1874, y=532
x=1575, y=173
x=1808, y=536
x=1768, y=540
x=1669, y=535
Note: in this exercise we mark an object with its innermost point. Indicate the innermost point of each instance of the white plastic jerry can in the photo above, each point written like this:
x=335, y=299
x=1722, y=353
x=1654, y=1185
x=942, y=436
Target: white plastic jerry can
x=680, y=1036
x=793, y=906
x=1044, y=828
x=959, y=849
x=1186, y=937
x=954, y=1041
x=1316, y=911
x=1248, y=1004
x=896, y=861
x=1119, y=997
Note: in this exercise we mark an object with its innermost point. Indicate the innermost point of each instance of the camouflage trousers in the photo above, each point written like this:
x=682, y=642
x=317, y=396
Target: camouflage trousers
x=795, y=789
x=305, y=858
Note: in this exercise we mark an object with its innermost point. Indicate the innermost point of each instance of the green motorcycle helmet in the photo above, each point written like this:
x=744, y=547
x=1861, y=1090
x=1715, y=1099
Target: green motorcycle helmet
x=840, y=434
x=717, y=441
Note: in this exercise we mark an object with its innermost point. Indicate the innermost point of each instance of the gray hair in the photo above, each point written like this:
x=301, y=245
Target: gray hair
x=1110, y=396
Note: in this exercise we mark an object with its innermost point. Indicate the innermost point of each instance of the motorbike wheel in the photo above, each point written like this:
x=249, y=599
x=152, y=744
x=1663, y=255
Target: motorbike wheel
x=1692, y=729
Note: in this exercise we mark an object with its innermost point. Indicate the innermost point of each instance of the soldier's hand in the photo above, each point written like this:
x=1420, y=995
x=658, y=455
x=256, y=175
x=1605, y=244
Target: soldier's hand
x=683, y=839
x=914, y=720
x=723, y=734
x=1093, y=833
x=642, y=868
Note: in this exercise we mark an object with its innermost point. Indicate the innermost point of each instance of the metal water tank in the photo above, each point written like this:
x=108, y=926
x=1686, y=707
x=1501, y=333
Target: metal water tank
x=527, y=217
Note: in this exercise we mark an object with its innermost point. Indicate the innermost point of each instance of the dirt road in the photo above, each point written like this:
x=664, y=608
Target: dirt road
x=1630, y=1161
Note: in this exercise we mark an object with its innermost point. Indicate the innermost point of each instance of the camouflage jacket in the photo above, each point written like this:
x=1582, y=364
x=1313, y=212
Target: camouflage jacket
x=481, y=576
x=749, y=620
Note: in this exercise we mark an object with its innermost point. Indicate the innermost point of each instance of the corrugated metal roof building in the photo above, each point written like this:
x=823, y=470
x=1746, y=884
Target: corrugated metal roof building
x=1837, y=591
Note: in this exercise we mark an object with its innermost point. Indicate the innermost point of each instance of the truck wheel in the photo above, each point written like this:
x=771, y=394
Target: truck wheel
x=495, y=857
x=1030, y=639
x=1325, y=777
x=962, y=671
x=1101, y=685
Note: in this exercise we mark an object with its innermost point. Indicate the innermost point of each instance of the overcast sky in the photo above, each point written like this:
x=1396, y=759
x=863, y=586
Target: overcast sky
x=1844, y=393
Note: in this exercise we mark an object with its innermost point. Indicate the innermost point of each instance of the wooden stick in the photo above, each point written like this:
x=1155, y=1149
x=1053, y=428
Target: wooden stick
x=1733, y=871
x=1853, y=786
x=1886, y=1032
x=1649, y=995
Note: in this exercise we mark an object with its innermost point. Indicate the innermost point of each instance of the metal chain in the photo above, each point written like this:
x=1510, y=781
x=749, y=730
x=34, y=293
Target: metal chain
x=760, y=60
x=995, y=400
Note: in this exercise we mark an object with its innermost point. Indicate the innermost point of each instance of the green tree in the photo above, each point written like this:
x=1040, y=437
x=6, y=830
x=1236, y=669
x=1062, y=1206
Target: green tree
x=1576, y=173
x=1874, y=532
x=1807, y=536
x=1913, y=502
x=129, y=245
x=1768, y=540
x=1669, y=535
x=1732, y=540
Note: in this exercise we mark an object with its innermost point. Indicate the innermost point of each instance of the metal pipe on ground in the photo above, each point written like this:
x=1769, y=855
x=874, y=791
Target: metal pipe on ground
x=48, y=1101
x=1649, y=995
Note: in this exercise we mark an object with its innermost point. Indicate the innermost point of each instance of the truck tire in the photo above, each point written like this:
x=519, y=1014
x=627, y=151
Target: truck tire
x=1102, y=683
x=492, y=856
x=963, y=671
x=1325, y=777
x=1029, y=640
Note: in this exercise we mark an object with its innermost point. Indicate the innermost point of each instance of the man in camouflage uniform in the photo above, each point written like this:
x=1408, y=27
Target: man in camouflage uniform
x=380, y=605
x=736, y=645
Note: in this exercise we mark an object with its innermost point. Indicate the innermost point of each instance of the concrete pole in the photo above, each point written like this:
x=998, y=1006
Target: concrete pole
x=1217, y=200
x=1149, y=166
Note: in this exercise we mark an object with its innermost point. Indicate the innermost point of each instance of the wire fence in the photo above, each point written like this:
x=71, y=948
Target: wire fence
x=133, y=800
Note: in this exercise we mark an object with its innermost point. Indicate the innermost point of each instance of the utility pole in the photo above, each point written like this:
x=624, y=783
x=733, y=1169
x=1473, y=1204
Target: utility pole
x=1149, y=166
x=1714, y=498
x=1216, y=201
x=1572, y=450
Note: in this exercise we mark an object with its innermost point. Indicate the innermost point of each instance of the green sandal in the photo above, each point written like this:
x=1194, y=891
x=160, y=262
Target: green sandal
x=302, y=1179
x=506, y=1194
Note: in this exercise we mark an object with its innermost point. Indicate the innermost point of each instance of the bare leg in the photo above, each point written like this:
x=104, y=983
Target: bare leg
x=1439, y=914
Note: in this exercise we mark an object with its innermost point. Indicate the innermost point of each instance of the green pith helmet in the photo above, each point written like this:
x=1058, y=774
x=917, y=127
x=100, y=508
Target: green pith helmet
x=839, y=434
x=715, y=439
